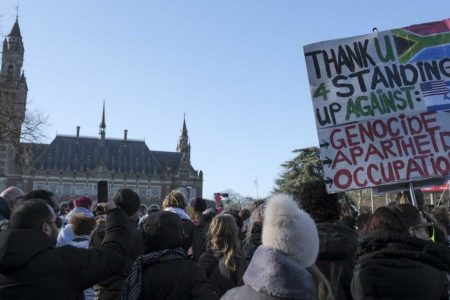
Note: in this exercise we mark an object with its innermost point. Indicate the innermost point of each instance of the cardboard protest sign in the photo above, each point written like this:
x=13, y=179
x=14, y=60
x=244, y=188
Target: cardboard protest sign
x=377, y=100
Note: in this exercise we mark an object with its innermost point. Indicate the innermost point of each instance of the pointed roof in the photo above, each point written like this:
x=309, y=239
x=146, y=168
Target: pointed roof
x=15, y=31
x=184, y=129
x=103, y=123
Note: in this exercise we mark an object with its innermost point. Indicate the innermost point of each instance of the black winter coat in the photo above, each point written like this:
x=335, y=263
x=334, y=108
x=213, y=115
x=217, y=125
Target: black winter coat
x=219, y=277
x=338, y=245
x=175, y=280
x=109, y=289
x=31, y=268
x=394, y=266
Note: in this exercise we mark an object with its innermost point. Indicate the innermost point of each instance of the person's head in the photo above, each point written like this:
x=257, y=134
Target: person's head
x=404, y=197
x=255, y=225
x=256, y=204
x=129, y=201
x=142, y=209
x=12, y=195
x=223, y=235
x=290, y=230
x=84, y=202
x=209, y=214
x=82, y=225
x=36, y=214
x=153, y=208
x=244, y=214
x=162, y=230
x=46, y=196
x=315, y=200
x=199, y=206
x=400, y=218
x=174, y=199
x=362, y=223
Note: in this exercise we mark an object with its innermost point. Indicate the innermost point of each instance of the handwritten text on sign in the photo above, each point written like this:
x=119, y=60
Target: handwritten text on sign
x=386, y=150
x=375, y=75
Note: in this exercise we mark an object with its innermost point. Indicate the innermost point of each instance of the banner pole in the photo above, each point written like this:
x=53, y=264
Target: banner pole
x=413, y=195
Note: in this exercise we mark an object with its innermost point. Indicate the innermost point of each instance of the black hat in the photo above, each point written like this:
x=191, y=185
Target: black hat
x=199, y=205
x=128, y=200
x=162, y=230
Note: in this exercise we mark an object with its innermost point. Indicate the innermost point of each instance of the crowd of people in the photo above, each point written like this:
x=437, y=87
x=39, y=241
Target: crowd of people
x=311, y=246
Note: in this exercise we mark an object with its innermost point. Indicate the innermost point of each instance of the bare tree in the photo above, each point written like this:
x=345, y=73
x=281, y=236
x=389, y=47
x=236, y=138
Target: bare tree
x=16, y=127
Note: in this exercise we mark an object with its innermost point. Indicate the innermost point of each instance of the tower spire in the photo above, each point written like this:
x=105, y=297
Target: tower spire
x=102, y=131
x=184, y=129
x=183, y=145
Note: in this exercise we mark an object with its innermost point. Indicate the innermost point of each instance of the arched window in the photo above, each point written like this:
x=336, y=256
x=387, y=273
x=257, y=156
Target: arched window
x=10, y=73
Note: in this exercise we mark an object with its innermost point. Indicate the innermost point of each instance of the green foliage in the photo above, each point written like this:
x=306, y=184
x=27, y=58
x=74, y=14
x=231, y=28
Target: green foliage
x=305, y=166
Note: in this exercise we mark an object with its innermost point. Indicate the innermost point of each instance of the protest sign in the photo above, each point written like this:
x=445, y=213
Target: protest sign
x=378, y=101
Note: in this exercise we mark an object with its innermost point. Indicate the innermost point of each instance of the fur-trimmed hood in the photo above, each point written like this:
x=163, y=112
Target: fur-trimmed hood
x=273, y=273
x=383, y=244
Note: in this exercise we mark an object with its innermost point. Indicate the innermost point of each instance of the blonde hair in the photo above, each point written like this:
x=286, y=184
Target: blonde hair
x=223, y=234
x=323, y=286
x=174, y=199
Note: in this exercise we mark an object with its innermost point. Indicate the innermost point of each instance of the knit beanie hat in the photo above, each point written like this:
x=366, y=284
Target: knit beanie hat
x=85, y=202
x=290, y=230
x=199, y=205
x=128, y=200
x=162, y=230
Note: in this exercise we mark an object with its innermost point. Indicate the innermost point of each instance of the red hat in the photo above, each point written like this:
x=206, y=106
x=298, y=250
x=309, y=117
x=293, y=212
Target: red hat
x=85, y=202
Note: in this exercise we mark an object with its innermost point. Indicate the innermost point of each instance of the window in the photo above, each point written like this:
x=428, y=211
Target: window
x=80, y=189
x=39, y=185
x=155, y=192
x=66, y=189
x=184, y=173
x=10, y=73
x=143, y=192
x=53, y=187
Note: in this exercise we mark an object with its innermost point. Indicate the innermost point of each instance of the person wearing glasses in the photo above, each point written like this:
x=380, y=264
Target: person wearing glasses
x=9, y=198
x=32, y=268
x=398, y=259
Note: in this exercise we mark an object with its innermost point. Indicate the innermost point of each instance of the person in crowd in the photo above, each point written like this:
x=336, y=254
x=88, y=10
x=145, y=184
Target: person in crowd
x=362, y=222
x=32, y=268
x=254, y=233
x=142, y=210
x=151, y=209
x=174, y=202
x=46, y=196
x=129, y=201
x=404, y=197
x=338, y=242
x=279, y=267
x=244, y=215
x=222, y=262
x=164, y=272
x=82, y=227
x=82, y=206
x=9, y=198
x=208, y=215
x=198, y=207
x=396, y=259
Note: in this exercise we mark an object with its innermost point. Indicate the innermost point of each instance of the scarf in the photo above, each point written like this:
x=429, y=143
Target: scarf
x=133, y=285
x=179, y=211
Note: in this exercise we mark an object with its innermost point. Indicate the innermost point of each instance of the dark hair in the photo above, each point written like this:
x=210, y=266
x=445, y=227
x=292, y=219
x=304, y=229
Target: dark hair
x=362, y=222
x=128, y=200
x=82, y=225
x=162, y=230
x=244, y=214
x=397, y=218
x=315, y=200
x=30, y=214
x=43, y=195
